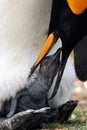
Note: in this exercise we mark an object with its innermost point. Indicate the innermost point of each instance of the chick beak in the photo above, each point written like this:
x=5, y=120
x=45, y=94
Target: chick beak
x=52, y=38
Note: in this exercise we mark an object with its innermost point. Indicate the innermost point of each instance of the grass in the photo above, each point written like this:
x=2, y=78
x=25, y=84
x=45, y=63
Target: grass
x=78, y=121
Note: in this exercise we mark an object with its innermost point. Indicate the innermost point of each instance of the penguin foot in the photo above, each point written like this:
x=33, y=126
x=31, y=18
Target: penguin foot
x=29, y=119
x=63, y=112
x=36, y=119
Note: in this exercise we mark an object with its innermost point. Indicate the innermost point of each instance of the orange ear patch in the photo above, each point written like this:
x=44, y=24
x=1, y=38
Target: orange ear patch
x=77, y=6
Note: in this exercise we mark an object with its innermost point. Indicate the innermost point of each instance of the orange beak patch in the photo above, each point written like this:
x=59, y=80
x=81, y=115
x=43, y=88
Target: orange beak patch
x=77, y=6
x=47, y=46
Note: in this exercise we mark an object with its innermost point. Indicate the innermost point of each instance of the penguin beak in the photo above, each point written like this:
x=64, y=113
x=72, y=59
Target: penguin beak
x=52, y=38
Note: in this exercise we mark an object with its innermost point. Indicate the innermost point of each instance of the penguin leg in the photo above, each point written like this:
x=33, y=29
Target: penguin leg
x=63, y=112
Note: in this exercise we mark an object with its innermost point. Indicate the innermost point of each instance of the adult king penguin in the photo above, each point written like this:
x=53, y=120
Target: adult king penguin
x=24, y=26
